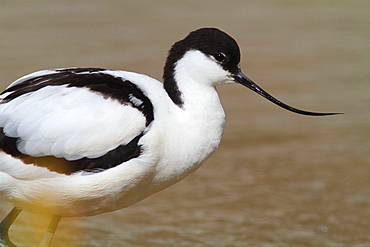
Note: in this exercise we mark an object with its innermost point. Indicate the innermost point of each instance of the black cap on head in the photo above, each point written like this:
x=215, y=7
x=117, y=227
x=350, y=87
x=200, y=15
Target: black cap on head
x=210, y=41
x=225, y=50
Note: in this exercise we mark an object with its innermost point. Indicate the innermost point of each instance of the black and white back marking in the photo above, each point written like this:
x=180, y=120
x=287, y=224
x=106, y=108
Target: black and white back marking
x=95, y=80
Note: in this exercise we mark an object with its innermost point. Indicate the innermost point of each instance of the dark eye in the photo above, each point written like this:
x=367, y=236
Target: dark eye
x=219, y=57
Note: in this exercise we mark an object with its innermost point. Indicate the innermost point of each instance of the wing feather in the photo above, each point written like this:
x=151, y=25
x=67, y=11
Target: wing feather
x=68, y=122
x=50, y=125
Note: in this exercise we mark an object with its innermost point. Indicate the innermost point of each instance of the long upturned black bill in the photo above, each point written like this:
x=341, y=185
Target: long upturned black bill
x=242, y=79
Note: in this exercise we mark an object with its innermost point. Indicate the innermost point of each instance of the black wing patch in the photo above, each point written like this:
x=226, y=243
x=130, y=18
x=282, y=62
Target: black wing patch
x=111, y=159
x=107, y=85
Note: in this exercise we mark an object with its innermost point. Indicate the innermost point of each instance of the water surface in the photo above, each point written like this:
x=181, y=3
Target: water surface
x=277, y=179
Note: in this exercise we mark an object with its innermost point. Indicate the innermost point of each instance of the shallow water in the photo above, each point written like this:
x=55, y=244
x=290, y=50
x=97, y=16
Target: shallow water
x=277, y=179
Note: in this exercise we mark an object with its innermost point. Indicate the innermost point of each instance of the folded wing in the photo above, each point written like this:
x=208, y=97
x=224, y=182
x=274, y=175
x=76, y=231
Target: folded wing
x=73, y=119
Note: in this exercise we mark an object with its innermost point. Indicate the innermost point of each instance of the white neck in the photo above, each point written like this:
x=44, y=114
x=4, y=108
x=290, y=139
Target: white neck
x=196, y=129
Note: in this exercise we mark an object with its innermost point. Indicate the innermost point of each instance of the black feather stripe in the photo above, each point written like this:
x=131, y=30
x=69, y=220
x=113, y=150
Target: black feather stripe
x=92, y=78
x=95, y=80
x=111, y=159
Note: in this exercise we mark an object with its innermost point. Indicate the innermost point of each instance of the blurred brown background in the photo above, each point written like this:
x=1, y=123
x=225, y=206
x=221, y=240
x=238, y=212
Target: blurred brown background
x=277, y=179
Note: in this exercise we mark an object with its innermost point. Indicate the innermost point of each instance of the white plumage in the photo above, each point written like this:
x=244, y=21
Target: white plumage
x=72, y=123
x=87, y=141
